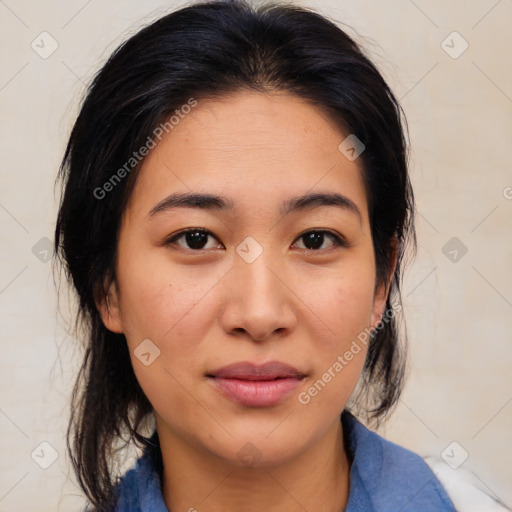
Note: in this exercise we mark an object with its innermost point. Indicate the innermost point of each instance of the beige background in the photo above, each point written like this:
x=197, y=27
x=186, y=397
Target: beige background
x=459, y=314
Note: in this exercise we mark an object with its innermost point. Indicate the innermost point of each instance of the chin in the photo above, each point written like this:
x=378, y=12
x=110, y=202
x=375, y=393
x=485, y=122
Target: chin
x=261, y=455
x=254, y=450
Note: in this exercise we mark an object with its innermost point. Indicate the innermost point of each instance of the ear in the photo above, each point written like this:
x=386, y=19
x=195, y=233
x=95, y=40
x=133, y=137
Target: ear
x=382, y=291
x=107, y=303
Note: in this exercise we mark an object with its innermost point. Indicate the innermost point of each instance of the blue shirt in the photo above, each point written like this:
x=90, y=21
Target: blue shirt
x=384, y=477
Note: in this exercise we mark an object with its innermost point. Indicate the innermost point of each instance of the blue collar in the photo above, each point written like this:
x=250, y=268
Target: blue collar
x=384, y=477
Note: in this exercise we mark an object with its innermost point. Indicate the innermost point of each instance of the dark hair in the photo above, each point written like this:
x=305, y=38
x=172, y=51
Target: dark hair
x=207, y=50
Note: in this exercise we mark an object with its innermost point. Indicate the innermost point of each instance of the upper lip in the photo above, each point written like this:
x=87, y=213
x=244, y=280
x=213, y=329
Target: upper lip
x=250, y=371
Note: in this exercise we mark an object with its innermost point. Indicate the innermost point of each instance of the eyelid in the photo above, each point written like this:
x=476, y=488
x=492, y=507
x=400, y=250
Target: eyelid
x=339, y=240
x=169, y=240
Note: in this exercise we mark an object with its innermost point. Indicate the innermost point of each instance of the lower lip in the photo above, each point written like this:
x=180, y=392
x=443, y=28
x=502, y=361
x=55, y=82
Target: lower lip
x=256, y=393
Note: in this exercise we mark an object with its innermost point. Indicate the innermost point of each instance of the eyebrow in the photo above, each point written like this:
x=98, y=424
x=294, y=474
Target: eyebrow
x=206, y=201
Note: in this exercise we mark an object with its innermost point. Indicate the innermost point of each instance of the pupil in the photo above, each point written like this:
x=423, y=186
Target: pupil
x=196, y=239
x=315, y=238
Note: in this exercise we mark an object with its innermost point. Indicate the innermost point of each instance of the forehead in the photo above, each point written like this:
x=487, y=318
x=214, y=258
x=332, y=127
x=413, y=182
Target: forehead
x=259, y=148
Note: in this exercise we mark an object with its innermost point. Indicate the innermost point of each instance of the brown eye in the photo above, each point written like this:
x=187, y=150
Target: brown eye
x=314, y=240
x=194, y=238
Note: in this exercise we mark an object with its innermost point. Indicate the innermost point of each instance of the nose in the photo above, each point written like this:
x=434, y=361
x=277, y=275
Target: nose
x=259, y=301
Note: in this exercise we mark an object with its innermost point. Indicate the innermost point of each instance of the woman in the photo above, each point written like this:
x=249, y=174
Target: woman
x=235, y=214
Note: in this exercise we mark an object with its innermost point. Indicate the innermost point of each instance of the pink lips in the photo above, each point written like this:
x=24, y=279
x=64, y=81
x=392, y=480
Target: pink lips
x=256, y=386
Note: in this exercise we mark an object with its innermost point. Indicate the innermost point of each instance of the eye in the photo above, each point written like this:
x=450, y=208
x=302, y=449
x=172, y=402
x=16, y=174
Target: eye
x=314, y=239
x=195, y=238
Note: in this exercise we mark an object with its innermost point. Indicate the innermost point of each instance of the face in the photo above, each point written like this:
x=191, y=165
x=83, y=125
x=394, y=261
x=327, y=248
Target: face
x=260, y=277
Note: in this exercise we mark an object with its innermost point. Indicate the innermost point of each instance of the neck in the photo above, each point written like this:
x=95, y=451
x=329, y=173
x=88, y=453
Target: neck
x=193, y=480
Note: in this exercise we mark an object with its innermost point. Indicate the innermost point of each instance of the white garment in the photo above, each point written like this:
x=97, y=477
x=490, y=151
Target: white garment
x=466, y=491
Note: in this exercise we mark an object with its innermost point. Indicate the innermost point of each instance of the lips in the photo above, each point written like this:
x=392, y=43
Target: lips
x=256, y=385
x=248, y=371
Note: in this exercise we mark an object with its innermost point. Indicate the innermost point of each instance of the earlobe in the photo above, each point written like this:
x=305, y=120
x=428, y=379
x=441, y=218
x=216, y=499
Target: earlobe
x=382, y=292
x=379, y=304
x=109, y=309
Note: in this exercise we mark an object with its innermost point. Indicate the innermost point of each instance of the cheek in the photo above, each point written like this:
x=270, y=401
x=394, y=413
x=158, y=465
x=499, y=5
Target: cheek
x=171, y=308
x=340, y=341
x=167, y=309
x=351, y=306
x=341, y=302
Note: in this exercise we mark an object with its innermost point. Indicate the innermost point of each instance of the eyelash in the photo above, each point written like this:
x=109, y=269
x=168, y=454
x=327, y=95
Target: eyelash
x=338, y=240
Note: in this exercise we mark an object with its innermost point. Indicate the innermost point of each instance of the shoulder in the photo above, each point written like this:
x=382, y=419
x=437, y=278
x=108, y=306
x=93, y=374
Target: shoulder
x=467, y=492
x=129, y=486
x=140, y=488
x=386, y=477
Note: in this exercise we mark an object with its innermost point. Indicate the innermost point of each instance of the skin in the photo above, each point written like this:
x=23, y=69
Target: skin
x=206, y=308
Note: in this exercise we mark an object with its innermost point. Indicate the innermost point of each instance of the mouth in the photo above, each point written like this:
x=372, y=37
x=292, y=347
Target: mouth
x=256, y=386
